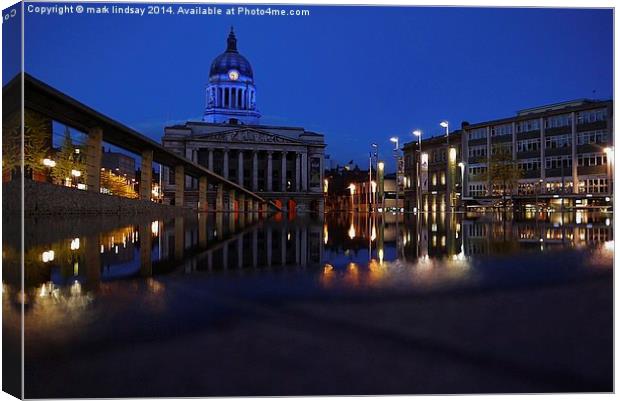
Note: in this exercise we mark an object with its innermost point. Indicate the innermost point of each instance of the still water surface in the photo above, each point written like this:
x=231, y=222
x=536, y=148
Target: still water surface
x=93, y=282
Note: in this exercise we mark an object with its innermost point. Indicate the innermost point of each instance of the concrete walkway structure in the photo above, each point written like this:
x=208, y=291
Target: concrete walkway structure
x=55, y=105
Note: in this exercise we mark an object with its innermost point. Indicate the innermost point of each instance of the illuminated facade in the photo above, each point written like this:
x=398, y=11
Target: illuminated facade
x=564, y=152
x=282, y=164
x=438, y=184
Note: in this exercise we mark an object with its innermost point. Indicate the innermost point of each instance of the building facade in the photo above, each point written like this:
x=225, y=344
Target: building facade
x=282, y=164
x=352, y=190
x=432, y=182
x=564, y=152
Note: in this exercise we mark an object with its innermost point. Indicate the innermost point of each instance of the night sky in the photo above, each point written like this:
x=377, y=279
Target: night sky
x=356, y=74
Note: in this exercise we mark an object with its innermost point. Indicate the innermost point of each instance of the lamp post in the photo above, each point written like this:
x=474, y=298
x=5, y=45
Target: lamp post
x=380, y=172
x=462, y=167
x=352, y=189
x=394, y=139
x=446, y=125
x=418, y=133
x=373, y=156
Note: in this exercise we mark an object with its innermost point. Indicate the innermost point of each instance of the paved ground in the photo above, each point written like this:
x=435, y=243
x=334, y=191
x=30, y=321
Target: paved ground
x=541, y=338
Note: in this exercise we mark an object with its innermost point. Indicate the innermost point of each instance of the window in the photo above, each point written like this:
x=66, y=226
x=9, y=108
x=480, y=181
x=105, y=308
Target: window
x=528, y=145
x=434, y=179
x=591, y=159
x=477, y=189
x=528, y=125
x=499, y=148
x=593, y=185
x=477, y=171
x=529, y=164
x=478, y=133
x=477, y=151
x=562, y=120
x=499, y=130
x=438, y=156
x=556, y=186
x=443, y=178
x=558, y=141
x=591, y=137
x=564, y=161
x=591, y=116
x=528, y=188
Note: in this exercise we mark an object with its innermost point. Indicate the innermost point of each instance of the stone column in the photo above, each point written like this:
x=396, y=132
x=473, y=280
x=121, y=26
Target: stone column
x=202, y=230
x=219, y=198
x=146, y=265
x=225, y=164
x=202, y=194
x=179, y=181
x=179, y=238
x=210, y=160
x=297, y=171
x=255, y=248
x=241, y=203
x=92, y=257
x=269, y=171
x=240, y=251
x=283, y=174
x=146, y=174
x=283, y=243
x=240, y=168
x=269, y=243
x=304, y=171
x=254, y=171
x=231, y=200
x=304, y=246
x=93, y=159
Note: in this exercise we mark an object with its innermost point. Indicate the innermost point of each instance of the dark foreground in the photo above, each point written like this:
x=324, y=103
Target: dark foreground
x=519, y=320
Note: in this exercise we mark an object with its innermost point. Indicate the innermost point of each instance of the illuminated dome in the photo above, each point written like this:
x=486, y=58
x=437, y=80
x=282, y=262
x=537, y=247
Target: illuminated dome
x=231, y=60
x=231, y=93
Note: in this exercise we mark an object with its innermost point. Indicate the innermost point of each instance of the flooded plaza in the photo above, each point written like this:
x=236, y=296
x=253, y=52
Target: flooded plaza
x=229, y=304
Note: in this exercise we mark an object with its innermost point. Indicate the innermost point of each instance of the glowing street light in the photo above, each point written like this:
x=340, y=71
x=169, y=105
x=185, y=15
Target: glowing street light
x=76, y=173
x=445, y=125
x=394, y=139
x=418, y=134
x=49, y=163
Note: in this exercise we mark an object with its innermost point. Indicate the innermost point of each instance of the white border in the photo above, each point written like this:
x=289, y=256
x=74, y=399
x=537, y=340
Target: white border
x=474, y=3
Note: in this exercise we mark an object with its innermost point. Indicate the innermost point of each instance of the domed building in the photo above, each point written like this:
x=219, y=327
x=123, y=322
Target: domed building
x=231, y=94
x=282, y=163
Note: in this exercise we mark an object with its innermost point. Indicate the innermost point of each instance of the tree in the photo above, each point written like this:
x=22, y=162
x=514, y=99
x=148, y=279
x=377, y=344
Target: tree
x=11, y=144
x=503, y=172
x=67, y=160
x=37, y=138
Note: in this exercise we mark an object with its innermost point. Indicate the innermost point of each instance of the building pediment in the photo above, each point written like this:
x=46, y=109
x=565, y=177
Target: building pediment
x=247, y=135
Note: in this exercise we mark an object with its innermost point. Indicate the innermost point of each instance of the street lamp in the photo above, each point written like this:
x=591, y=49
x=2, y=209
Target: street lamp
x=447, y=127
x=462, y=167
x=352, y=189
x=418, y=133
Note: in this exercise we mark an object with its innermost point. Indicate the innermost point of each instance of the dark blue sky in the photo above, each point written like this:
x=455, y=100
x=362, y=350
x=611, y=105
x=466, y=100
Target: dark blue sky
x=355, y=74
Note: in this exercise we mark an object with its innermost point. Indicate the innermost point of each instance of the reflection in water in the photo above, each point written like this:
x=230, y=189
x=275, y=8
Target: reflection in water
x=349, y=250
x=132, y=264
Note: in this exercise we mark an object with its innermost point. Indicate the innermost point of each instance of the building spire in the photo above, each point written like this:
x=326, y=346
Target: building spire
x=232, y=41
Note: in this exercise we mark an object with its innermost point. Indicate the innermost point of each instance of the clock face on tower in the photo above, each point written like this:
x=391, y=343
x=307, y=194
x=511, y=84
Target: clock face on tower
x=233, y=75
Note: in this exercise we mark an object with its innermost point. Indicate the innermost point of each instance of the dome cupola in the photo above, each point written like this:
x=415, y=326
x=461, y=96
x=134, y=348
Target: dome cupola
x=231, y=94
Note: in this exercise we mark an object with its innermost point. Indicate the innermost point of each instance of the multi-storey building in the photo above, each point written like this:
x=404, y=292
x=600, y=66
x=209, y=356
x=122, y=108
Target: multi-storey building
x=435, y=183
x=564, y=152
x=283, y=164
